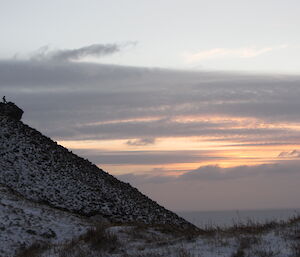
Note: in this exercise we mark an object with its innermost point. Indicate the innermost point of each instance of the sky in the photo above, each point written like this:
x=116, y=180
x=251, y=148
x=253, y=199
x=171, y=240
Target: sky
x=195, y=103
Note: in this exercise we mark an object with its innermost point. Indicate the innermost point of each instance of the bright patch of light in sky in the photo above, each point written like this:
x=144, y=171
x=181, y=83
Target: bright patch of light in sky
x=249, y=52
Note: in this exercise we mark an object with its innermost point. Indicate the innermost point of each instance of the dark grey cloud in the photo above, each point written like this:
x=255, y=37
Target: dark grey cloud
x=141, y=141
x=95, y=50
x=216, y=173
x=145, y=179
x=70, y=100
x=290, y=154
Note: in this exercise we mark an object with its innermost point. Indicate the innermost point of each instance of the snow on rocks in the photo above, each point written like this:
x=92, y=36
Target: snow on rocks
x=43, y=171
x=23, y=223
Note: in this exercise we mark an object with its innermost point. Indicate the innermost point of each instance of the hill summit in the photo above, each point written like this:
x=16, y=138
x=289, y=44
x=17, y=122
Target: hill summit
x=11, y=110
x=42, y=171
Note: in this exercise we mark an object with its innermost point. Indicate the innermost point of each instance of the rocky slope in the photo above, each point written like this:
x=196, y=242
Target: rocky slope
x=40, y=170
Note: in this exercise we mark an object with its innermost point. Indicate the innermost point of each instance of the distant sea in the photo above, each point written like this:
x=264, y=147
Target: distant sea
x=228, y=218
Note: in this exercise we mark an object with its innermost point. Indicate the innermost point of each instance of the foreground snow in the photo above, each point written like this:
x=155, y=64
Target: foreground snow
x=136, y=242
x=152, y=243
x=23, y=223
x=33, y=229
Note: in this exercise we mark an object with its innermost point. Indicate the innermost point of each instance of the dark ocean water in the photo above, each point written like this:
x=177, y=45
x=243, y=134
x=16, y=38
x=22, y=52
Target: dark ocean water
x=228, y=218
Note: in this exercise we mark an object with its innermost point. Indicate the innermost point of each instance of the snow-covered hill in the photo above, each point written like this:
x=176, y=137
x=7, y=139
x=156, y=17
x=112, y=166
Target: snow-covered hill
x=43, y=171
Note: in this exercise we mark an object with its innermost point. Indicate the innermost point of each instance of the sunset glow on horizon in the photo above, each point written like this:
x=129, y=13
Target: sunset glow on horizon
x=225, y=152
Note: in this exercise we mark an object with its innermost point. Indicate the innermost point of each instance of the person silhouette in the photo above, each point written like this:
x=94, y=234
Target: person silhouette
x=4, y=100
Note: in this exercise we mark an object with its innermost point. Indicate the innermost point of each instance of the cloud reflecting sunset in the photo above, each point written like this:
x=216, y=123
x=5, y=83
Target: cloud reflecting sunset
x=164, y=127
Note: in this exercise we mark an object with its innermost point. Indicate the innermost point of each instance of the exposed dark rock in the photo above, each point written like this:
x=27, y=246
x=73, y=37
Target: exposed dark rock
x=11, y=110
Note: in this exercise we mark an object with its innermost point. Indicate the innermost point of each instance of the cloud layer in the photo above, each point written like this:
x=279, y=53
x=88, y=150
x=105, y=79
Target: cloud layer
x=95, y=50
x=214, y=173
x=132, y=111
x=115, y=102
x=215, y=188
x=141, y=141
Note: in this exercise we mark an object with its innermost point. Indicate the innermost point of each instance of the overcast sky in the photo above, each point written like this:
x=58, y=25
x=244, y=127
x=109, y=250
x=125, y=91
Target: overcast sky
x=196, y=103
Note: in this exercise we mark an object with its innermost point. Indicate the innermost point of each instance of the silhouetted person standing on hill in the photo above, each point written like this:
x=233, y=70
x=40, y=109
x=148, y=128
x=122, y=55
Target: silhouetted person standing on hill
x=4, y=100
